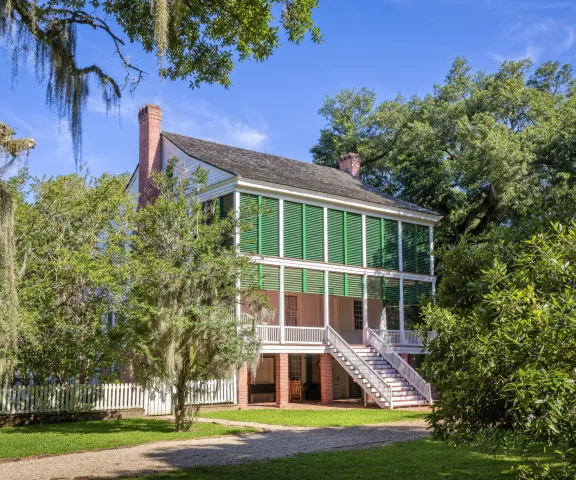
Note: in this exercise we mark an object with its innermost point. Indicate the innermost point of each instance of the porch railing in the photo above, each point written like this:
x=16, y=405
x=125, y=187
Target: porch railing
x=268, y=333
x=402, y=337
x=401, y=365
x=304, y=335
x=360, y=365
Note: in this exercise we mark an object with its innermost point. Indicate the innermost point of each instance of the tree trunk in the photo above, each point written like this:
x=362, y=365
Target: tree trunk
x=180, y=416
x=8, y=293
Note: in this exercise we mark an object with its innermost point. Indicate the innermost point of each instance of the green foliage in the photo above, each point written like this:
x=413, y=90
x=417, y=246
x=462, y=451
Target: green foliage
x=71, y=241
x=422, y=459
x=11, y=149
x=482, y=149
x=504, y=359
x=53, y=439
x=183, y=288
x=195, y=41
x=317, y=418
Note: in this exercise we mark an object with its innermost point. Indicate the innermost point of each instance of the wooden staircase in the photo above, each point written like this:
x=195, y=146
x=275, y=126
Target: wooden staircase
x=404, y=394
x=375, y=375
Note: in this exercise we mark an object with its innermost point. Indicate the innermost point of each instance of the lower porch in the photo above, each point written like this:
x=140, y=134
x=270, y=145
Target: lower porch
x=285, y=379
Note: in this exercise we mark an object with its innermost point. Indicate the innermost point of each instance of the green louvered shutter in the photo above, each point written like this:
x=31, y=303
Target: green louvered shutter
x=314, y=282
x=410, y=292
x=336, y=284
x=391, y=291
x=374, y=288
x=390, y=237
x=423, y=249
x=293, y=281
x=249, y=218
x=270, y=234
x=270, y=277
x=409, y=255
x=353, y=239
x=336, y=236
x=424, y=290
x=355, y=286
x=314, y=233
x=373, y=242
x=293, y=240
x=251, y=277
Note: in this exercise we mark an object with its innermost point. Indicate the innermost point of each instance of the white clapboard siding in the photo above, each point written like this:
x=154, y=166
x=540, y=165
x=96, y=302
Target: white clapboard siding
x=134, y=183
x=188, y=164
x=92, y=398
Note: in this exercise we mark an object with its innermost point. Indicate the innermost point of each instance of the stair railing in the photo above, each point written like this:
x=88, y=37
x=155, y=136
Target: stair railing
x=360, y=364
x=401, y=365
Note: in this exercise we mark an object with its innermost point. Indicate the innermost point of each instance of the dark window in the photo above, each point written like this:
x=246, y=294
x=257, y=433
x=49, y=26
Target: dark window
x=392, y=317
x=358, y=315
x=290, y=310
x=227, y=205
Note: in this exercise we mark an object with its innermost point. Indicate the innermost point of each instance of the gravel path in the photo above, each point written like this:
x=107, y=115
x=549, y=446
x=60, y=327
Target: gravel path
x=274, y=442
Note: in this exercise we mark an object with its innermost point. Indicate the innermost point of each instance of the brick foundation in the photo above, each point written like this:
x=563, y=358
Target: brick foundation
x=282, y=379
x=243, y=386
x=326, y=393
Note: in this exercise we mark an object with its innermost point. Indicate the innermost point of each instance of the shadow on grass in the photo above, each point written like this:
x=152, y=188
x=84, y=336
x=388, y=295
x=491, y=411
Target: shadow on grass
x=266, y=445
x=421, y=459
x=98, y=426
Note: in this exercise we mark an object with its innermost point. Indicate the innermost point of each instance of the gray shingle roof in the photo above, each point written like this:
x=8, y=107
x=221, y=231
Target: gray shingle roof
x=283, y=171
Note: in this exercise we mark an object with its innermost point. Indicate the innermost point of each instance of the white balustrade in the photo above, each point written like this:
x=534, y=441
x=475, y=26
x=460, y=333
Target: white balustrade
x=400, y=337
x=400, y=365
x=268, y=333
x=305, y=335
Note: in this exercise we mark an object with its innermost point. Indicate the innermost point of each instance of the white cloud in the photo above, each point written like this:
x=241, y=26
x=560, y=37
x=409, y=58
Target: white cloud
x=536, y=40
x=202, y=120
x=570, y=37
x=198, y=119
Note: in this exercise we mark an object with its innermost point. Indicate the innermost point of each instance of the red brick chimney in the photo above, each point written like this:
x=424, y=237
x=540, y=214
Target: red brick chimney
x=150, y=120
x=350, y=162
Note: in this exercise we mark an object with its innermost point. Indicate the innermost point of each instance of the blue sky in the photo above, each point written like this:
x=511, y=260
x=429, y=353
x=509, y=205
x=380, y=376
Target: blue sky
x=394, y=46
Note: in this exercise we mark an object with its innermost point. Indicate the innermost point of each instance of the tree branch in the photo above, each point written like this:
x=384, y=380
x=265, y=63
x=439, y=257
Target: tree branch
x=487, y=206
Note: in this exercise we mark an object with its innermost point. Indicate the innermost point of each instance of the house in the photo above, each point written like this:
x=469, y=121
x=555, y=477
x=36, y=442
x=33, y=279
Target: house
x=344, y=265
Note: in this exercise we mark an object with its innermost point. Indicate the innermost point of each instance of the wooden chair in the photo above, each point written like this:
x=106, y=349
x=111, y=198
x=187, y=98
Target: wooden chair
x=296, y=390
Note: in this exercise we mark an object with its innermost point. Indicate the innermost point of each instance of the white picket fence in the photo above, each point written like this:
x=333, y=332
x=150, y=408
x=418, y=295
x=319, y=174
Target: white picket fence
x=93, y=398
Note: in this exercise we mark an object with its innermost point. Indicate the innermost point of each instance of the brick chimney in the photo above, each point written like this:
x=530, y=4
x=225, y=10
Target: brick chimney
x=350, y=162
x=150, y=120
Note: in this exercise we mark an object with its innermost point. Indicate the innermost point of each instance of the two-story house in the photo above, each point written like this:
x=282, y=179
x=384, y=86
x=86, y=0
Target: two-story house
x=343, y=264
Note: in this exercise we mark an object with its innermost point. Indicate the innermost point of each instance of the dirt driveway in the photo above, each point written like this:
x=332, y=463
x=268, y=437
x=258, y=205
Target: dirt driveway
x=156, y=457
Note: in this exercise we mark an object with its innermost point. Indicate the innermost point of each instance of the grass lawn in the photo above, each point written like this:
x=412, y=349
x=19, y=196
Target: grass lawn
x=79, y=436
x=316, y=418
x=417, y=460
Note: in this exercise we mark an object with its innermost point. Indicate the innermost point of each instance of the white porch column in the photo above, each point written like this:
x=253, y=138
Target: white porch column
x=281, y=304
x=325, y=229
x=401, y=268
x=401, y=312
x=281, y=227
x=236, y=206
x=364, y=308
x=432, y=260
x=400, y=259
x=326, y=301
x=364, y=240
x=431, y=250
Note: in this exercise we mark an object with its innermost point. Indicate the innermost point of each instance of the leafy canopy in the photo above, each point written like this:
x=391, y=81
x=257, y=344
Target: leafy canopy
x=196, y=41
x=183, y=288
x=481, y=150
x=504, y=358
x=72, y=239
x=11, y=149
